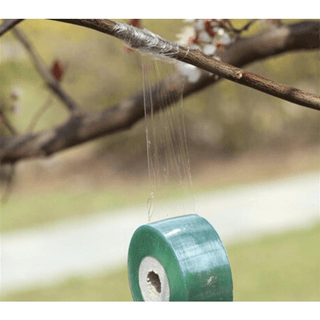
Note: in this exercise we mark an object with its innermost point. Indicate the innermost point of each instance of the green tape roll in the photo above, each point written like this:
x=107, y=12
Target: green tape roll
x=179, y=259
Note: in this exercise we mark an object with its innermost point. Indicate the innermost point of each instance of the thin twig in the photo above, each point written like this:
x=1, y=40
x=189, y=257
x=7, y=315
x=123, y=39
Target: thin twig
x=48, y=77
x=39, y=113
x=8, y=24
x=7, y=122
x=239, y=31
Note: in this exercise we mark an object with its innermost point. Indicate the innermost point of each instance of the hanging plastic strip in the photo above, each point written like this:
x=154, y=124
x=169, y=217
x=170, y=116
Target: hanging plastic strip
x=179, y=257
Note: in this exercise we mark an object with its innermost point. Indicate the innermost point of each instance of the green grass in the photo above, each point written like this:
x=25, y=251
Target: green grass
x=278, y=268
x=32, y=210
x=281, y=267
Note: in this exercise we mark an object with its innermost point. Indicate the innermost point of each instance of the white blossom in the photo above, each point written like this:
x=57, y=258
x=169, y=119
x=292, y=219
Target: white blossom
x=204, y=36
x=191, y=72
x=221, y=31
x=200, y=25
x=187, y=33
x=209, y=49
x=225, y=39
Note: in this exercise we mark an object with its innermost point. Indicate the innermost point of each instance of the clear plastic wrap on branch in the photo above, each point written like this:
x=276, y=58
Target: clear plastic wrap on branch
x=145, y=40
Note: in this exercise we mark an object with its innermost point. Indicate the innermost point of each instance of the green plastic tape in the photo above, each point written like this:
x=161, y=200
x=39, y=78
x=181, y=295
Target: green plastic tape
x=179, y=259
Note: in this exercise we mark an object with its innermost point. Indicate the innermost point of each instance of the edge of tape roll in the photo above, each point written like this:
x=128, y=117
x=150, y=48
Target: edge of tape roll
x=179, y=259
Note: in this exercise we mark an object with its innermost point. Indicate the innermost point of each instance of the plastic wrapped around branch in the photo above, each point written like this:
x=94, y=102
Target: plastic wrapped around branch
x=145, y=40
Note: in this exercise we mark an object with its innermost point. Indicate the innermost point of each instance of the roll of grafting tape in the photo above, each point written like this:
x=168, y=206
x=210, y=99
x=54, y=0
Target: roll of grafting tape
x=179, y=259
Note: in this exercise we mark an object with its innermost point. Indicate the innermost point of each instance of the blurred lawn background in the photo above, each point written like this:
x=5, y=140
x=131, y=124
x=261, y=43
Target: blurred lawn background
x=235, y=135
x=275, y=268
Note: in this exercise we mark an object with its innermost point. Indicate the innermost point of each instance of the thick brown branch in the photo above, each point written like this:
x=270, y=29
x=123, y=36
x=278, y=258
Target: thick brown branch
x=79, y=129
x=8, y=24
x=76, y=130
x=303, y=35
x=46, y=74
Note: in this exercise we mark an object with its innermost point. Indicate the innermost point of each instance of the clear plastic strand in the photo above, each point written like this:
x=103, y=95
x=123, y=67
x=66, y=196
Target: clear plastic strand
x=174, y=119
x=167, y=152
x=148, y=112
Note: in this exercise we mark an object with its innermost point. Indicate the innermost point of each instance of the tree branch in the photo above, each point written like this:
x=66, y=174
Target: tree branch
x=46, y=74
x=8, y=24
x=7, y=123
x=39, y=113
x=79, y=129
x=231, y=28
x=303, y=35
x=200, y=60
x=252, y=80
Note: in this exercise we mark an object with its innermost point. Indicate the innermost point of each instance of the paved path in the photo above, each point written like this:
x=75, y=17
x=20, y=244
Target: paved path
x=88, y=246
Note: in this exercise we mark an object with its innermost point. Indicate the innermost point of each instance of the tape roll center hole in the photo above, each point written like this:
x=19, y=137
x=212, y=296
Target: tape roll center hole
x=153, y=279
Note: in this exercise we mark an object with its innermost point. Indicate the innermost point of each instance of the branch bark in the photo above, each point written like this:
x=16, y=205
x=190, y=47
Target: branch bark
x=79, y=129
x=252, y=80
